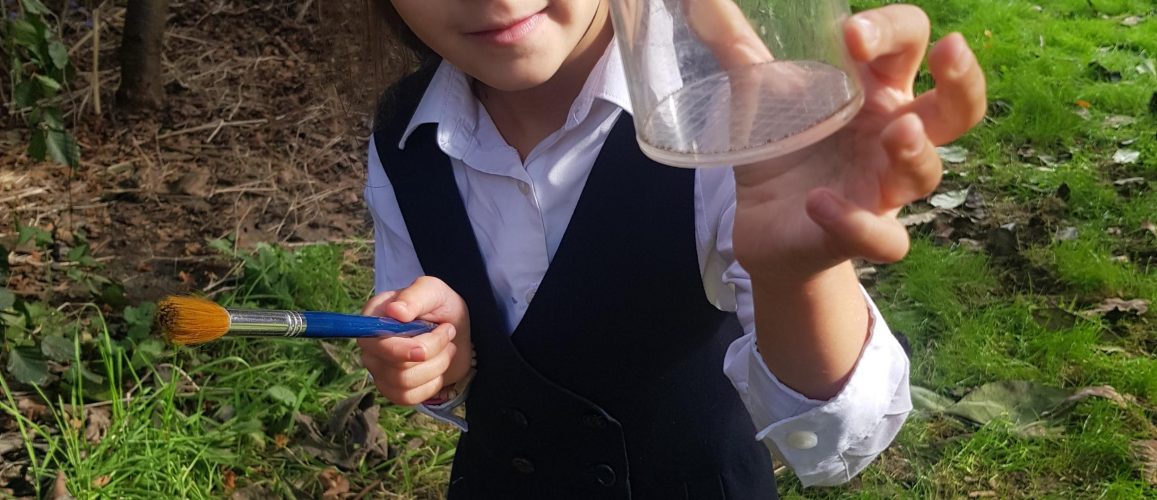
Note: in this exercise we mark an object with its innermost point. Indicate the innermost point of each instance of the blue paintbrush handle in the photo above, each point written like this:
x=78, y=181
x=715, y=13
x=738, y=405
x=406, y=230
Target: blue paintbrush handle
x=333, y=325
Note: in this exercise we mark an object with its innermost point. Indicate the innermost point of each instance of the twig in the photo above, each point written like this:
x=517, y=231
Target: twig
x=287, y=49
x=24, y=194
x=95, y=78
x=301, y=13
x=343, y=241
x=209, y=126
x=246, y=188
x=366, y=490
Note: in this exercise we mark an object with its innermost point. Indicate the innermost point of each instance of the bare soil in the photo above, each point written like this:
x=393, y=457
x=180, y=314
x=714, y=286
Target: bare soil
x=262, y=139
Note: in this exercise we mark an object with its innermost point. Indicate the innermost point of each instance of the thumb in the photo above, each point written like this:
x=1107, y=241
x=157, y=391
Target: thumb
x=427, y=298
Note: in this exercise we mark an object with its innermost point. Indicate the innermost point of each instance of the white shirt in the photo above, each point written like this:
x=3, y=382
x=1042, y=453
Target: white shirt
x=520, y=209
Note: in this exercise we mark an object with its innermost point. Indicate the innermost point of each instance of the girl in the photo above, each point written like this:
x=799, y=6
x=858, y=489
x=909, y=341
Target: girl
x=621, y=329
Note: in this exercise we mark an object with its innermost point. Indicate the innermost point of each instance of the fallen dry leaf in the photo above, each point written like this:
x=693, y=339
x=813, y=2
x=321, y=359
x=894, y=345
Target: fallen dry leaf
x=350, y=436
x=334, y=483
x=1130, y=181
x=30, y=408
x=1135, y=306
x=1100, y=391
x=1149, y=226
x=1126, y=156
x=229, y=479
x=952, y=154
x=1147, y=453
x=1067, y=234
x=1118, y=121
x=60, y=488
x=280, y=440
x=982, y=494
x=950, y=200
x=1131, y=21
x=919, y=219
x=101, y=481
x=98, y=421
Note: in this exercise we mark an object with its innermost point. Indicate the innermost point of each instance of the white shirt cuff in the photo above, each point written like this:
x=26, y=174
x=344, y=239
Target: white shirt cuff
x=827, y=442
x=445, y=412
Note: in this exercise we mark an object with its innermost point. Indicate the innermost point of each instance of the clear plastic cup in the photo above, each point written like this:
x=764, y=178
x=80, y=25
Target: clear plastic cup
x=729, y=82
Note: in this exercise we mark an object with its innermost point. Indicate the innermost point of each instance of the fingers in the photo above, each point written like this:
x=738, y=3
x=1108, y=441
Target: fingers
x=959, y=102
x=413, y=384
x=725, y=30
x=398, y=350
x=891, y=41
x=915, y=168
x=409, y=370
x=427, y=298
x=853, y=231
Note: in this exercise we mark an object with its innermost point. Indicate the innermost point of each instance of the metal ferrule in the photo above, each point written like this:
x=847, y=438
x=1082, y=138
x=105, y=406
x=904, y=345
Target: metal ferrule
x=266, y=323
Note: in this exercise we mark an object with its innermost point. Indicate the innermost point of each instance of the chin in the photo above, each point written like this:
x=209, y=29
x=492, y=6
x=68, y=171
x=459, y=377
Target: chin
x=516, y=77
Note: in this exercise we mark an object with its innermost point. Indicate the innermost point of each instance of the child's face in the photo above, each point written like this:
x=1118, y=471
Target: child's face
x=506, y=44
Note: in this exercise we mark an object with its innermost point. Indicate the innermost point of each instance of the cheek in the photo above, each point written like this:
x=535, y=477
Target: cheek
x=424, y=19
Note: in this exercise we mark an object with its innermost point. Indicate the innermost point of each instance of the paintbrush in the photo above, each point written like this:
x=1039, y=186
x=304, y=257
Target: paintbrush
x=190, y=320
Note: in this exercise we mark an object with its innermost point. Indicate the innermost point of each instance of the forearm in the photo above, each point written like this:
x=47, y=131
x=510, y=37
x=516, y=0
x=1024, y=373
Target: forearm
x=815, y=331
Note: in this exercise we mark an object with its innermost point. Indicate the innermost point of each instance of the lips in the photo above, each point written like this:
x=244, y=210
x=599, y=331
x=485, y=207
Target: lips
x=508, y=33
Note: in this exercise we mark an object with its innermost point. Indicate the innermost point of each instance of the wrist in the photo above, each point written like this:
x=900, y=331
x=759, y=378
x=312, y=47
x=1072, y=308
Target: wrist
x=811, y=331
x=455, y=387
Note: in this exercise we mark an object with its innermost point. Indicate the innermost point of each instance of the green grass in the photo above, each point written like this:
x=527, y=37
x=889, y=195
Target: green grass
x=203, y=422
x=972, y=317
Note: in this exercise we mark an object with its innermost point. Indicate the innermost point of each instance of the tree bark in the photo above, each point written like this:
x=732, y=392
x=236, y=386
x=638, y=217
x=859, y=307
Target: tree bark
x=140, y=55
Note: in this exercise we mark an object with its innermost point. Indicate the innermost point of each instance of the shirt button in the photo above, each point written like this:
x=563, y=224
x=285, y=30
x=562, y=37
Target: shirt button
x=522, y=465
x=524, y=187
x=594, y=421
x=803, y=440
x=516, y=418
x=604, y=474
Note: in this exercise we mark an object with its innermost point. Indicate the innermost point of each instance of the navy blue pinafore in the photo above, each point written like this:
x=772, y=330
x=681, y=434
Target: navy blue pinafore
x=612, y=385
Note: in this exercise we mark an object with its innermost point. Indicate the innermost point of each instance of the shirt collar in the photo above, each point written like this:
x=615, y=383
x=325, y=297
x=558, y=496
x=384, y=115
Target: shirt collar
x=450, y=104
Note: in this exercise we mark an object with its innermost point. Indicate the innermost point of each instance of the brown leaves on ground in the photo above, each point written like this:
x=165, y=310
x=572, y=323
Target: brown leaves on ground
x=97, y=423
x=334, y=484
x=350, y=436
x=1114, y=304
x=1146, y=452
x=60, y=488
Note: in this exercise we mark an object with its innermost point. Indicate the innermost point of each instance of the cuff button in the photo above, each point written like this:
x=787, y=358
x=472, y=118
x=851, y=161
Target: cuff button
x=802, y=440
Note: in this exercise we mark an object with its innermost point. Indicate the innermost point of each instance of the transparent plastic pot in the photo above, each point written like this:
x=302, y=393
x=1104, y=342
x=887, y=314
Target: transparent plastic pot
x=725, y=82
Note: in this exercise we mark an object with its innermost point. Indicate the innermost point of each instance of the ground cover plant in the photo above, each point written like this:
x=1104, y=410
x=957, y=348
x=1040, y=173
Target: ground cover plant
x=1025, y=302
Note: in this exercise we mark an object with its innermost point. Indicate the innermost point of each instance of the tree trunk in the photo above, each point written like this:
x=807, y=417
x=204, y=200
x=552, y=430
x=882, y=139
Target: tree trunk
x=140, y=54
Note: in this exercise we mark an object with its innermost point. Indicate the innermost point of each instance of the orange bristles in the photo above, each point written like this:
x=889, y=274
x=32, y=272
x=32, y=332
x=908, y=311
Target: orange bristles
x=190, y=320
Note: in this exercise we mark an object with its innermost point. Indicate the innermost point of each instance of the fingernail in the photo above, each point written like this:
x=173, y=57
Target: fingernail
x=452, y=333
x=868, y=30
x=417, y=354
x=963, y=61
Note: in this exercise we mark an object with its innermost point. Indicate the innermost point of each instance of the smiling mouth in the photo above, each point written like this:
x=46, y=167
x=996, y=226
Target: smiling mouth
x=511, y=33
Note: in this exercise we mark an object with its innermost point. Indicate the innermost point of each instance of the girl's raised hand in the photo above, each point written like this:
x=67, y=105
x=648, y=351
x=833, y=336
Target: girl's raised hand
x=811, y=210
x=410, y=370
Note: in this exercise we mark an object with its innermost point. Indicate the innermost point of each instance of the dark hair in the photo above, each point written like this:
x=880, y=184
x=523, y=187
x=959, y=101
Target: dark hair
x=397, y=53
x=393, y=40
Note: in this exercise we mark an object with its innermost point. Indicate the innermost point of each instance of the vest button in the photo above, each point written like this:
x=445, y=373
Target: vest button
x=604, y=474
x=523, y=465
x=594, y=421
x=515, y=418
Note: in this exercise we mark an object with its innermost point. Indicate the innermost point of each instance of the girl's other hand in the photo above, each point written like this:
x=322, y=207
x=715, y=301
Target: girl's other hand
x=410, y=370
x=804, y=213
